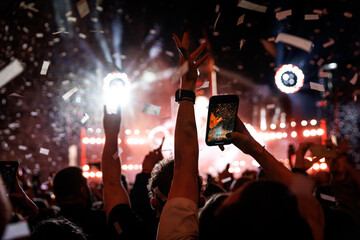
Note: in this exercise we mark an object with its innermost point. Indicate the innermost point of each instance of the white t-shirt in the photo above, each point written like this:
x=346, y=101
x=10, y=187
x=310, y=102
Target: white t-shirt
x=179, y=220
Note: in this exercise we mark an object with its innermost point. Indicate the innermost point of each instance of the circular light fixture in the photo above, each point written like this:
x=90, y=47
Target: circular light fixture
x=289, y=78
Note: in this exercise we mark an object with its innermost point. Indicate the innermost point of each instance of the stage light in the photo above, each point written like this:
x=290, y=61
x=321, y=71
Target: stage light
x=92, y=174
x=316, y=166
x=282, y=125
x=273, y=126
x=284, y=135
x=127, y=131
x=322, y=160
x=289, y=78
x=313, y=132
x=86, y=174
x=116, y=88
x=86, y=168
x=323, y=166
x=236, y=163
x=92, y=140
x=130, y=167
x=330, y=66
x=237, y=170
x=242, y=163
x=136, y=132
x=306, y=133
x=98, y=174
x=231, y=170
x=124, y=167
x=99, y=140
x=304, y=123
x=293, y=134
x=320, y=132
x=313, y=122
x=211, y=169
x=293, y=124
x=86, y=140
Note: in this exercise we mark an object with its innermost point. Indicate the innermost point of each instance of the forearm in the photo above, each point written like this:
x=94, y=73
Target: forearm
x=186, y=154
x=114, y=191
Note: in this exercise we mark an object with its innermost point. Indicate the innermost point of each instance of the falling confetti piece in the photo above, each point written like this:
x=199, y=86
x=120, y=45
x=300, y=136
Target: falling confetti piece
x=317, y=86
x=85, y=118
x=44, y=67
x=354, y=79
x=241, y=19
x=44, y=151
x=295, y=41
x=151, y=109
x=83, y=8
x=283, y=14
x=311, y=17
x=10, y=72
x=252, y=6
x=69, y=93
x=217, y=19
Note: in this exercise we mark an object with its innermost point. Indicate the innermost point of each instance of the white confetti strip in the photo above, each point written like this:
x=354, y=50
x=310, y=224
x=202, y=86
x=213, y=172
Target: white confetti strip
x=85, y=118
x=241, y=19
x=71, y=19
x=27, y=156
x=242, y=41
x=354, y=79
x=311, y=17
x=252, y=6
x=39, y=35
x=44, y=151
x=283, y=14
x=348, y=15
x=329, y=43
x=83, y=8
x=83, y=36
x=295, y=41
x=22, y=147
x=44, y=67
x=225, y=180
x=10, y=72
x=69, y=93
x=99, y=8
x=217, y=19
x=169, y=53
x=151, y=109
x=180, y=72
x=327, y=197
x=317, y=86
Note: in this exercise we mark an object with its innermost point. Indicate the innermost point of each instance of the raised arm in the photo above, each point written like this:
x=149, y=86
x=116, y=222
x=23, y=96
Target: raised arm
x=185, y=181
x=309, y=208
x=114, y=191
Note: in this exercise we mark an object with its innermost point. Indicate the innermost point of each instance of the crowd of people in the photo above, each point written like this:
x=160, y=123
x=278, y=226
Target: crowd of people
x=169, y=199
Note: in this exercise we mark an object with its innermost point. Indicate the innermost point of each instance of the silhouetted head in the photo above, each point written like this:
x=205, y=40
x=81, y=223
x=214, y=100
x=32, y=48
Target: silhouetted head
x=57, y=229
x=70, y=187
x=261, y=210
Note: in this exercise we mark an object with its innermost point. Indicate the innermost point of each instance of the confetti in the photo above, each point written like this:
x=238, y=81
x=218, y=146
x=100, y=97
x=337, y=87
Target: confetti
x=10, y=72
x=242, y=41
x=68, y=14
x=252, y=6
x=44, y=151
x=69, y=93
x=217, y=19
x=151, y=109
x=329, y=43
x=323, y=74
x=284, y=14
x=320, y=62
x=99, y=31
x=225, y=180
x=83, y=8
x=169, y=53
x=295, y=41
x=23, y=148
x=317, y=86
x=354, y=79
x=71, y=19
x=83, y=36
x=16, y=230
x=180, y=72
x=311, y=17
x=327, y=197
x=241, y=19
x=348, y=15
x=39, y=35
x=27, y=156
x=44, y=67
x=99, y=8
x=217, y=8
x=85, y=118
x=204, y=85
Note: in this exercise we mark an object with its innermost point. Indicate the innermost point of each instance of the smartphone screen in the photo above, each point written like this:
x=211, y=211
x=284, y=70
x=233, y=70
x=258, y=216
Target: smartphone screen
x=8, y=170
x=221, y=119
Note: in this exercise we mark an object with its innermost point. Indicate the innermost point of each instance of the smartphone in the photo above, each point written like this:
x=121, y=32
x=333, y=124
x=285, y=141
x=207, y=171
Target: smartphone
x=8, y=170
x=221, y=119
x=321, y=151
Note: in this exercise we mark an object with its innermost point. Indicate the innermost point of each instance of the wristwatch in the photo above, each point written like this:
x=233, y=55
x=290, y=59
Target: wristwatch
x=184, y=95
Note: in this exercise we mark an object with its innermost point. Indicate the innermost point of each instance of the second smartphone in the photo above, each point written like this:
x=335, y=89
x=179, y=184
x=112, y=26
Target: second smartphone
x=221, y=119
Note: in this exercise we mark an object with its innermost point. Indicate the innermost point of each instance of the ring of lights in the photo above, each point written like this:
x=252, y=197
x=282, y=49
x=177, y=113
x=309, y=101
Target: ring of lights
x=115, y=75
x=298, y=83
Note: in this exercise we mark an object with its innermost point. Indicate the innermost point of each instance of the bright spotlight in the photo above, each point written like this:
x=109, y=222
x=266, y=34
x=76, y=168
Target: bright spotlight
x=304, y=123
x=313, y=122
x=116, y=88
x=289, y=78
x=86, y=168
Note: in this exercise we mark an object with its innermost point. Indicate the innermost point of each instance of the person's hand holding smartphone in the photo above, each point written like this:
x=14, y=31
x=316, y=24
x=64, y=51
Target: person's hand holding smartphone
x=221, y=119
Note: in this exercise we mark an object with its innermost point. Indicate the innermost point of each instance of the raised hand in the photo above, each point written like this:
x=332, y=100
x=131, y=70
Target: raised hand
x=243, y=140
x=112, y=122
x=189, y=79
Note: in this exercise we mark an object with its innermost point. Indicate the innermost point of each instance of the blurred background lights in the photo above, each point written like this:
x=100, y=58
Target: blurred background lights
x=304, y=123
x=289, y=78
x=313, y=122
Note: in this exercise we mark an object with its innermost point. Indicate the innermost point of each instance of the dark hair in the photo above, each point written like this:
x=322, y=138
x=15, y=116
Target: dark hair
x=207, y=214
x=264, y=210
x=57, y=229
x=68, y=182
